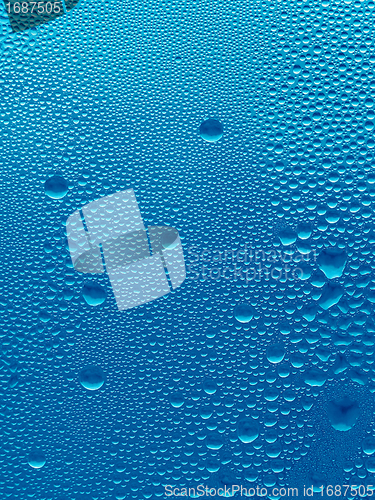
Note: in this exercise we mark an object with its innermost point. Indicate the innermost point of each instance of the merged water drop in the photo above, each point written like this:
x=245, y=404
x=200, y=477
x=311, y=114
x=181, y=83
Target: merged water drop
x=287, y=236
x=332, y=262
x=343, y=413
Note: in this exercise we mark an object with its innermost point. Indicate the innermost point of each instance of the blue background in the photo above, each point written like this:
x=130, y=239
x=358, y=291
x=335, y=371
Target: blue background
x=111, y=97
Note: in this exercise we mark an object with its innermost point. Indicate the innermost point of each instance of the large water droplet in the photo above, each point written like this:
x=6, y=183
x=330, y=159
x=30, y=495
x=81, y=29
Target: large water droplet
x=214, y=442
x=243, y=313
x=368, y=445
x=91, y=377
x=275, y=353
x=315, y=377
x=56, y=187
x=247, y=430
x=370, y=466
x=287, y=236
x=36, y=459
x=93, y=294
x=304, y=230
x=169, y=239
x=213, y=465
x=251, y=475
x=176, y=400
x=343, y=413
x=209, y=386
x=211, y=130
x=332, y=262
x=332, y=293
x=273, y=450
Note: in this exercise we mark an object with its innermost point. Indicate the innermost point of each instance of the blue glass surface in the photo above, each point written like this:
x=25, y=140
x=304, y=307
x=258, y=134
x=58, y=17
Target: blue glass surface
x=247, y=127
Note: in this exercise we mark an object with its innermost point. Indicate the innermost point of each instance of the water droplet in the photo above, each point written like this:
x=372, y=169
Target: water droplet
x=368, y=445
x=211, y=130
x=251, y=475
x=332, y=293
x=169, y=239
x=243, y=313
x=209, y=386
x=287, y=236
x=93, y=294
x=37, y=459
x=315, y=377
x=247, y=430
x=213, y=465
x=56, y=187
x=214, y=442
x=91, y=378
x=176, y=400
x=343, y=413
x=275, y=353
x=304, y=230
x=332, y=262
